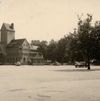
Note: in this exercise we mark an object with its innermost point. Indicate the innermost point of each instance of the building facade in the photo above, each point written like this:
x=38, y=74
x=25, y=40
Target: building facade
x=7, y=33
x=35, y=56
x=17, y=50
x=2, y=54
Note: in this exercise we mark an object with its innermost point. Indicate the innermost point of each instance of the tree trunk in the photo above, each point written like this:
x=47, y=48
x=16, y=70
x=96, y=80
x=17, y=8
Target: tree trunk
x=88, y=68
x=88, y=61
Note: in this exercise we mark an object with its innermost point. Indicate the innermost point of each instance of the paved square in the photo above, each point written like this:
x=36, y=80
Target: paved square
x=49, y=83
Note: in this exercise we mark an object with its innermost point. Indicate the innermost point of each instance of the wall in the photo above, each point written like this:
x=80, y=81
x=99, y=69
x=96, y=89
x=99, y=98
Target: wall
x=10, y=36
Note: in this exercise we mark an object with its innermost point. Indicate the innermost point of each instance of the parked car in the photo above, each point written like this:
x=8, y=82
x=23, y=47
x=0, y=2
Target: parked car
x=56, y=63
x=18, y=63
x=81, y=64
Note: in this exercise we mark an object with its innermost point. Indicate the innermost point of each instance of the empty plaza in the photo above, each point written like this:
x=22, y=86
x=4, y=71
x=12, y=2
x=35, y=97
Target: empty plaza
x=49, y=83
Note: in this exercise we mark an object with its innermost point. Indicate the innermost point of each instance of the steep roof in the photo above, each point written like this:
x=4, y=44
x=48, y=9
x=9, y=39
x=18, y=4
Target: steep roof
x=8, y=26
x=15, y=43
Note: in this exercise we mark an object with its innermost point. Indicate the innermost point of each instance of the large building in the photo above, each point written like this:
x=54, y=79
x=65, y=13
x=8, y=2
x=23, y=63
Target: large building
x=16, y=50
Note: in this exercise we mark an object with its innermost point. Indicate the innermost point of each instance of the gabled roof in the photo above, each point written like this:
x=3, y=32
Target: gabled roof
x=15, y=43
x=7, y=26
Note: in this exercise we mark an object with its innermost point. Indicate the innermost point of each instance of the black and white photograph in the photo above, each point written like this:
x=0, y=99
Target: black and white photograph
x=49, y=50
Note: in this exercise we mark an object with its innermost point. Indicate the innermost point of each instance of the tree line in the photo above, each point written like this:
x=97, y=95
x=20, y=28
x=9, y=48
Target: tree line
x=83, y=44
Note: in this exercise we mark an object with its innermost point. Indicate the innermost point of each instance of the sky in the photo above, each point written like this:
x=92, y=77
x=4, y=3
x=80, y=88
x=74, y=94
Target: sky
x=46, y=19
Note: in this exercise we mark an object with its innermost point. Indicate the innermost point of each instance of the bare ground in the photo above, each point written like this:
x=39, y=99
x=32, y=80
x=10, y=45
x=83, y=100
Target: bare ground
x=49, y=83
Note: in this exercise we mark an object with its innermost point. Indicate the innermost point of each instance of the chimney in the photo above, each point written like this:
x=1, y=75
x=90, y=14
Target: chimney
x=12, y=26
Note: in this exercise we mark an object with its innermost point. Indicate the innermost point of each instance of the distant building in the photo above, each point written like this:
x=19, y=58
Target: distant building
x=35, y=56
x=7, y=33
x=2, y=54
x=17, y=50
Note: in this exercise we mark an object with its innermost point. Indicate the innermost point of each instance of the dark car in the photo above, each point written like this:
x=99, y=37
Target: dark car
x=81, y=64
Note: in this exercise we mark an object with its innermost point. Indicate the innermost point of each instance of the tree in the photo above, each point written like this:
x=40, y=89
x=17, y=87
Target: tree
x=96, y=39
x=61, y=50
x=52, y=51
x=85, y=41
x=35, y=42
x=43, y=48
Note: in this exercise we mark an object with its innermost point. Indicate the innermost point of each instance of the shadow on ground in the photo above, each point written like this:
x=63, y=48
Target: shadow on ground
x=78, y=70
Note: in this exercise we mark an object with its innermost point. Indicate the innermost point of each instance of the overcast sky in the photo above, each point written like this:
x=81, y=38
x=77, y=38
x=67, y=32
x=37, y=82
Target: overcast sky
x=45, y=19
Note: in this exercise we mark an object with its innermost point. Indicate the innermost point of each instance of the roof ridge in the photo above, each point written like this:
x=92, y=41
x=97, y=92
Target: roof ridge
x=8, y=26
